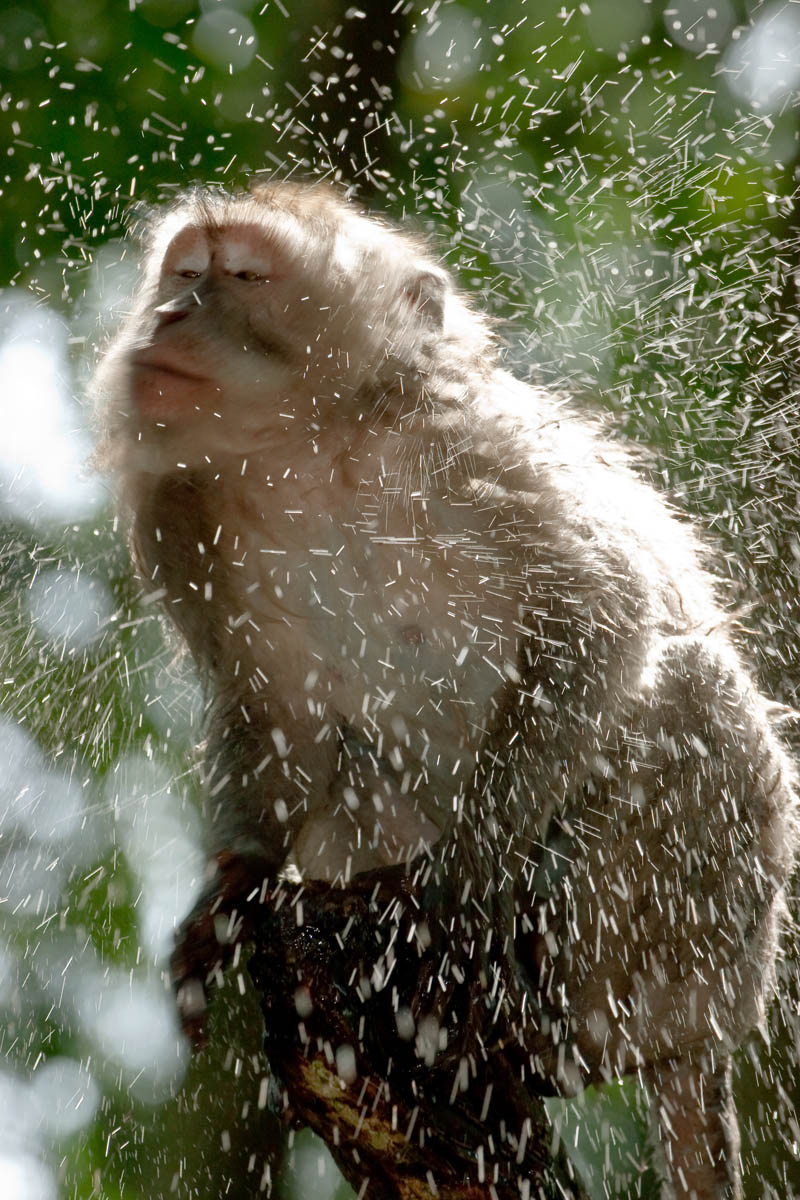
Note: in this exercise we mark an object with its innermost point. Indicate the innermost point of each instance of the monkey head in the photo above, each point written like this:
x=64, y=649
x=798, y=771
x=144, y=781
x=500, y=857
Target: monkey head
x=266, y=318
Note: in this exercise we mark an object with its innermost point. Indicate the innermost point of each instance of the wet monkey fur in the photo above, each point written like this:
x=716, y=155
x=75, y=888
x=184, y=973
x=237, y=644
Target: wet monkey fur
x=440, y=616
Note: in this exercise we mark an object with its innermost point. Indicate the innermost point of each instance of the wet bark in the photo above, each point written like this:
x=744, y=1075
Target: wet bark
x=420, y=1088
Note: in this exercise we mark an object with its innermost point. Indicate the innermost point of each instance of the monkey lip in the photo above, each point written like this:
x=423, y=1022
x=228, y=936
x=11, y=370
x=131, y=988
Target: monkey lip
x=162, y=388
x=147, y=363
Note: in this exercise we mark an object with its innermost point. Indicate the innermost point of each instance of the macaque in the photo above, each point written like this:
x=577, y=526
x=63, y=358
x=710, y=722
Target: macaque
x=440, y=615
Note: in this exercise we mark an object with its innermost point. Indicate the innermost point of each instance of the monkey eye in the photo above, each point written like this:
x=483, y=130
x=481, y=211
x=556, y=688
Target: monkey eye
x=189, y=274
x=250, y=276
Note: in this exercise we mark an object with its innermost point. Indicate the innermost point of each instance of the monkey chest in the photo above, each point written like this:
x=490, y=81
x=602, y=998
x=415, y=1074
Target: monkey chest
x=399, y=640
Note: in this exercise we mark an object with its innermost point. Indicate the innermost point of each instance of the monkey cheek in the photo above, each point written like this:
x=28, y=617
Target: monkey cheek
x=270, y=378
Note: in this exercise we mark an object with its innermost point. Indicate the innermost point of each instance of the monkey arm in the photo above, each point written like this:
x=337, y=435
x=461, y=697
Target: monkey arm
x=259, y=789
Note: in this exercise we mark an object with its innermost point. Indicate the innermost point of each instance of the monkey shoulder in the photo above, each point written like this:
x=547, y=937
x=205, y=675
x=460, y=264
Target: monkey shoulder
x=581, y=510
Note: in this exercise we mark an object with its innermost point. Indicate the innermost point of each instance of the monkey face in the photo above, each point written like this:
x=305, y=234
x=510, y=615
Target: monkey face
x=231, y=343
x=255, y=327
x=209, y=334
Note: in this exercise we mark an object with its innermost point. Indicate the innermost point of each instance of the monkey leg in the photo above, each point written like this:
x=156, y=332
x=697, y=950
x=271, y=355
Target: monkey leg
x=661, y=936
x=698, y=1130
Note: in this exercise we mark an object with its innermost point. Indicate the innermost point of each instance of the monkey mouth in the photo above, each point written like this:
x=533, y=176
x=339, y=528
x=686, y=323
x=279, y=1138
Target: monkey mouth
x=143, y=362
x=162, y=388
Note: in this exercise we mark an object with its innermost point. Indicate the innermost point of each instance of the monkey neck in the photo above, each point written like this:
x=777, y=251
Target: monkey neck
x=229, y=548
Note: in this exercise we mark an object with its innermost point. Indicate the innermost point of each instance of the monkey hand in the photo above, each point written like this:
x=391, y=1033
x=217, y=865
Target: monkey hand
x=207, y=940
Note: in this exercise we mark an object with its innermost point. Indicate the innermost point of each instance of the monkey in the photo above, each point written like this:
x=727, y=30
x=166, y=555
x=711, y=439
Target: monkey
x=443, y=616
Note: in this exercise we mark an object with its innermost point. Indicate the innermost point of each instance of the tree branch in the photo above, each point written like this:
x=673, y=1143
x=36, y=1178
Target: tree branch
x=411, y=1104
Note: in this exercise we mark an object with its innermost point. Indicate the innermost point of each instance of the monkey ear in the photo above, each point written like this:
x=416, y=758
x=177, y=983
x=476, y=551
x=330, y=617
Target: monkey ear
x=427, y=292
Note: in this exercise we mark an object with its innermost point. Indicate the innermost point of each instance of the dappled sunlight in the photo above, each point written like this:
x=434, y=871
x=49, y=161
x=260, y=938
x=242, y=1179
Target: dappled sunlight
x=43, y=472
